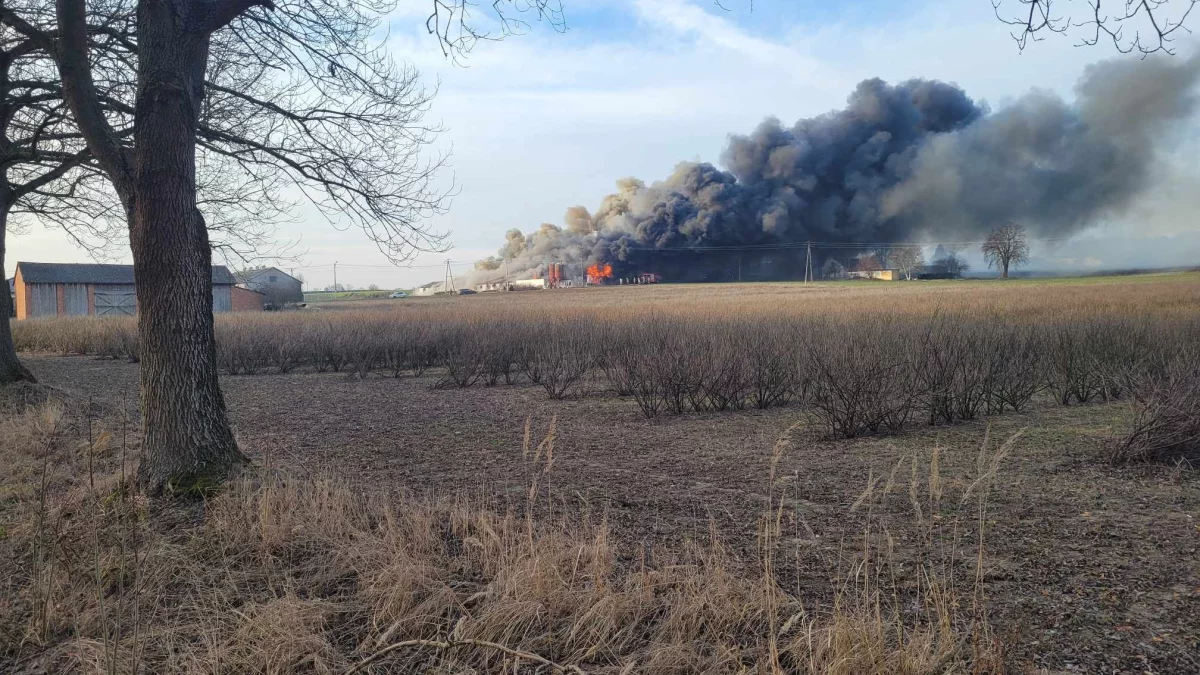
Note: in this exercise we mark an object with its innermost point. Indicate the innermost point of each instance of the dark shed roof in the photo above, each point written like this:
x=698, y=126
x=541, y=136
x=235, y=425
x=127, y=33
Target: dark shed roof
x=90, y=273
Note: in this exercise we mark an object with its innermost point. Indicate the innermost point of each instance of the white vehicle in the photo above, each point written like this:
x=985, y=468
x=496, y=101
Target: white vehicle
x=398, y=294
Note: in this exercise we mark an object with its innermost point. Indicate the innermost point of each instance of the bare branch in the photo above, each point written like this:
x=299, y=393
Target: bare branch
x=457, y=31
x=79, y=91
x=1152, y=24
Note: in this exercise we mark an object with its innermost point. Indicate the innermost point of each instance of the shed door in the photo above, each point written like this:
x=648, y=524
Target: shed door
x=43, y=300
x=115, y=301
x=222, y=300
x=75, y=299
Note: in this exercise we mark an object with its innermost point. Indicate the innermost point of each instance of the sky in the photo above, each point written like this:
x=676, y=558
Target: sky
x=546, y=120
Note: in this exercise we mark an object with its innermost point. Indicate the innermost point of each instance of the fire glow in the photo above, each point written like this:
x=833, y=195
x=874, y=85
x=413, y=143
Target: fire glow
x=599, y=273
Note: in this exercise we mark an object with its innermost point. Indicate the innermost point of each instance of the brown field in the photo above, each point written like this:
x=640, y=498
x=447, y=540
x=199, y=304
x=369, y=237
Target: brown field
x=739, y=532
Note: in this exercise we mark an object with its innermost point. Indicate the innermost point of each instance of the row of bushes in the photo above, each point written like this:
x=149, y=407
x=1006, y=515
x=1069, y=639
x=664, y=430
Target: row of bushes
x=863, y=376
x=880, y=375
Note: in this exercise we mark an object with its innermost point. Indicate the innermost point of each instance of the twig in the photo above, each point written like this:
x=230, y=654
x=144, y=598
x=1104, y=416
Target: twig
x=451, y=644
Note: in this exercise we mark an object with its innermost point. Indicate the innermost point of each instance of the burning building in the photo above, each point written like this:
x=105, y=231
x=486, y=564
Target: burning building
x=599, y=274
x=901, y=162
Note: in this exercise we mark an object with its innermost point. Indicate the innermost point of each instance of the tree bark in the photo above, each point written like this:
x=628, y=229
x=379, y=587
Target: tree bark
x=11, y=368
x=188, y=444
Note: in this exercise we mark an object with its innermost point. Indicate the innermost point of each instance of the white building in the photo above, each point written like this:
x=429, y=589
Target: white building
x=431, y=288
x=529, y=284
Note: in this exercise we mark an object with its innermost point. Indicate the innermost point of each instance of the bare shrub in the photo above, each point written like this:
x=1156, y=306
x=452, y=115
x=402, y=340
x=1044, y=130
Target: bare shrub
x=770, y=359
x=325, y=348
x=245, y=348
x=858, y=380
x=501, y=354
x=1017, y=362
x=1117, y=348
x=1071, y=373
x=614, y=345
x=1166, y=423
x=423, y=350
x=362, y=344
x=463, y=355
x=398, y=343
x=728, y=383
x=566, y=351
x=636, y=361
x=527, y=358
x=955, y=370
x=286, y=351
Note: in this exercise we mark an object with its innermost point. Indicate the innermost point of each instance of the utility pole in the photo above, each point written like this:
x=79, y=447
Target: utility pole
x=808, y=264
x=449, y=277
x=739, y=267
x=335, y=286
x=506, y=274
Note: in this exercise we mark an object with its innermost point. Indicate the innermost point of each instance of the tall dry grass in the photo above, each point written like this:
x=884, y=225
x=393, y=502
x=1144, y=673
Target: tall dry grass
x=297, y=573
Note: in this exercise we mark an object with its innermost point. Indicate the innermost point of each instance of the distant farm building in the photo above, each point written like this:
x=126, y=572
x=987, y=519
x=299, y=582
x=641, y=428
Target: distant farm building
x=492, y=285
x=247, y=300
x=432, y=288
x=881, y=275
x=278, y=287
x=529, y=284
x=54, y=289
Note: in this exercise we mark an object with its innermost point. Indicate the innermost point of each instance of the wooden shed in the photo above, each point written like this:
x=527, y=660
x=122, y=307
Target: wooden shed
x=58, y=289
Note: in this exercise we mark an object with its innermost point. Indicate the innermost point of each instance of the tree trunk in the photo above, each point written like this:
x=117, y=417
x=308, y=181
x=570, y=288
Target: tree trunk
x=11, y=369
x=188, y=444
x=1004, y=275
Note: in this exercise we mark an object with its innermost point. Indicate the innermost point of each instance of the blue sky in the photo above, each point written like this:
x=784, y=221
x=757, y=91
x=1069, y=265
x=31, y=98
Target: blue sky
x=544, y=121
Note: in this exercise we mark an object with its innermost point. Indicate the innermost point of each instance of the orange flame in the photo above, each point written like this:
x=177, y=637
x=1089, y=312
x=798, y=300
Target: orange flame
x=596, y=274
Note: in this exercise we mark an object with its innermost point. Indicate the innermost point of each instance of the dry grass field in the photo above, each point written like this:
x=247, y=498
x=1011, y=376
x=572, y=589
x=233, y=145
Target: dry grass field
x=941, y=477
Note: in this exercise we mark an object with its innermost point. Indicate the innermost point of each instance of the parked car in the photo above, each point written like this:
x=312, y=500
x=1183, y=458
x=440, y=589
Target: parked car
x=398, y=294
x=466, y=291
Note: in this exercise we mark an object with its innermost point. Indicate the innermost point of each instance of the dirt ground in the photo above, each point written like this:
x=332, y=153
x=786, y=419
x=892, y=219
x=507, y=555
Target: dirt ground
x=1088, y=568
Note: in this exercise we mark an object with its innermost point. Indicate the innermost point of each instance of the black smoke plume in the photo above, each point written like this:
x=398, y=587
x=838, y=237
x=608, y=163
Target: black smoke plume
x=899, y=163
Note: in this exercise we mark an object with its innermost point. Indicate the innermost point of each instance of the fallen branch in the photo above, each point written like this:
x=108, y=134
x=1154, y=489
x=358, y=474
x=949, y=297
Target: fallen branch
x=451, y=644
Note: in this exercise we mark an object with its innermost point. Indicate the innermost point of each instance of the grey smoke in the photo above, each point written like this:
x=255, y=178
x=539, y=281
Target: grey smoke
x=899, y=163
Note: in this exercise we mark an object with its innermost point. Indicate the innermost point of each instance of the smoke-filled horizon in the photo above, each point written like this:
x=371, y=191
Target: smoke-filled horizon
x=900, y=162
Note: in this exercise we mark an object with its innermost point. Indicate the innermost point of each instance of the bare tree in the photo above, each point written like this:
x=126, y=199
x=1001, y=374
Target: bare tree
x=334, y=115
x=44, y=167
x=907, y=259
x=950, y=264
x=1006, y=247
x=1144, y=26
x=48, y=177
x=832, y=269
